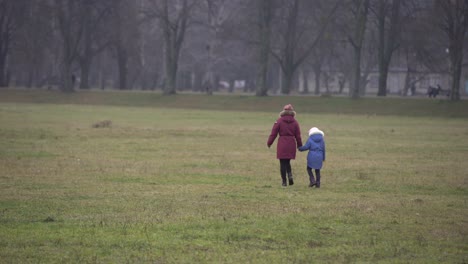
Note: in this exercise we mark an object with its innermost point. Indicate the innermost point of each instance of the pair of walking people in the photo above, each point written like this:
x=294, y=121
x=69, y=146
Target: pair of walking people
x=289, y=132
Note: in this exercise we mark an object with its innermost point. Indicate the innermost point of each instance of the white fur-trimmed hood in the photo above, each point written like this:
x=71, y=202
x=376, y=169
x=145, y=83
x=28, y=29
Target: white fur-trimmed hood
x=315, y=130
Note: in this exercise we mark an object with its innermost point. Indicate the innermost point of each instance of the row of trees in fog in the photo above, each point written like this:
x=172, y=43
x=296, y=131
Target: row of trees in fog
x=197, y=45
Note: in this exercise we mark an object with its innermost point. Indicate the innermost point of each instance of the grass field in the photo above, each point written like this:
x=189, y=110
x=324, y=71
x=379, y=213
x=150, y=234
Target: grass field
x=176, y=180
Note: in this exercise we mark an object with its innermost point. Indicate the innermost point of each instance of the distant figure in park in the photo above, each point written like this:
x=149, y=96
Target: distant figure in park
x=289, y=140
x=316, y=146
x=433, y=92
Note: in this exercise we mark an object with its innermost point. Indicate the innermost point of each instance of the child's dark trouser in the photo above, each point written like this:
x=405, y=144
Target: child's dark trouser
x=313, y=181
x=285, y=167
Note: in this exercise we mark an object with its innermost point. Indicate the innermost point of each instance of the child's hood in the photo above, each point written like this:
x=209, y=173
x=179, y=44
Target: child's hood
x=314, y=131
x=316, y=134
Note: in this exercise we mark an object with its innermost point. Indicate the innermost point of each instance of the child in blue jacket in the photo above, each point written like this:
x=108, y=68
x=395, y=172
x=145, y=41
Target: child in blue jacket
x=316, y=146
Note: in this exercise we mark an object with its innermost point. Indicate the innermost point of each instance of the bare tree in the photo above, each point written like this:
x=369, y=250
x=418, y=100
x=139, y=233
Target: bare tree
x=298, y=36
x=70, y=27
x=265, y=16
x=27, y=53
x=11, y=18
x=95, y=37
x=321, y=54
x=359, y=10
x=454, y=22
x=388, y=38
x=174, y=18
x=417, y=50
x=124, y=38
x=150, y=55
x=218, y=11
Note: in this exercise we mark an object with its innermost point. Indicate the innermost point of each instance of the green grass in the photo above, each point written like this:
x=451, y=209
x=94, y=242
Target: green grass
x=174, y=181
x=407, y=106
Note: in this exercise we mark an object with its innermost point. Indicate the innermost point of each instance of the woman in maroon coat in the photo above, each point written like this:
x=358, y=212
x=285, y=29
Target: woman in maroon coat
x=289, y=140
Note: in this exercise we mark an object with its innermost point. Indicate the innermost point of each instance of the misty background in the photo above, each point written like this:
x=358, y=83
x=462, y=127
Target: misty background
x=264, y=47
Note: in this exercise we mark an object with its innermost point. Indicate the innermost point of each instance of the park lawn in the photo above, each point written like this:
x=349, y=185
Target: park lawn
x=185, y=185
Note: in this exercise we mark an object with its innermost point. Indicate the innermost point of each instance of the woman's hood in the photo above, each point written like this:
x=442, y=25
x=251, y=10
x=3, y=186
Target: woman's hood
x=288, y=118
x=287, y=113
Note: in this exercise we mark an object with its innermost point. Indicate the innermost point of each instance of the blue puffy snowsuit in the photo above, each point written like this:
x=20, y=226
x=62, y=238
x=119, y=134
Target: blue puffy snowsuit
x=316, y=146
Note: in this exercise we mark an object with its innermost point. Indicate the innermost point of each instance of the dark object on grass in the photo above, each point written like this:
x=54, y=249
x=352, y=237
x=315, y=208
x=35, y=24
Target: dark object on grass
x=49, y=219
x=100, y=124
x=433, y=92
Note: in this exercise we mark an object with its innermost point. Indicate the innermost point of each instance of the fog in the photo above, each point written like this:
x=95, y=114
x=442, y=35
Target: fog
x=264, y=47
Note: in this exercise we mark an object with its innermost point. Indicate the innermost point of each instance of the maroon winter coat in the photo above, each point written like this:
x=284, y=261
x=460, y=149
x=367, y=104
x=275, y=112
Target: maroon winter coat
x=289, y=137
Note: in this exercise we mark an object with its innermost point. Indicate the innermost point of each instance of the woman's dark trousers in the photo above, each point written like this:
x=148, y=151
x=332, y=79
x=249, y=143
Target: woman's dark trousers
x=285, y=168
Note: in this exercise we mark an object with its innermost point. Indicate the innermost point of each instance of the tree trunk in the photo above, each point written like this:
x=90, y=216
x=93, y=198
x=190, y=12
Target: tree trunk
x=231, y=86
x=3, y=70
x=305, y=76
x=317, y=74
x=382, y=89
x=357, y=73
x=357, y=45
x=71, y=33
x=287, y=82
x=327, y=82
x=32, y=73
x=407, y=81
x=66, y=78
x=209, y=80
x=4, y=49
x=85, y=65
x=456, y=69
x=174, y=34
x=383, y=76
x=122, y=66
x=455, y=24
x=208, y=83
x=171, y=74
x=12, y=15
x=456, y=32
x=4, y=45
x=265, y=16
x=102, y=81
x=387, y=42
x=171, y=71
x=363, y=83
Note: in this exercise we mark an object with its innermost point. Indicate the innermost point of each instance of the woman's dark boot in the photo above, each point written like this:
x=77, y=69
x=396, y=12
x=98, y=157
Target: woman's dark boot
x=290, y=178
x=283, y=178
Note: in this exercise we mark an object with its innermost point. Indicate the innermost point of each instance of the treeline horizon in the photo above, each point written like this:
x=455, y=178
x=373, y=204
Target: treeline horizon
x=205, y=45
